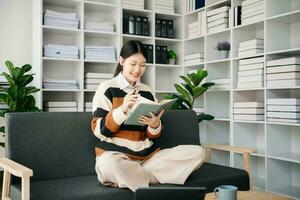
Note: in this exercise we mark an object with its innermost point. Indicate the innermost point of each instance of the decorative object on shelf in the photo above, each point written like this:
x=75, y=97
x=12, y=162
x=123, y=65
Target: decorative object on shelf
x=190, y=91
x=223, y=48
x=172, y=57
x=16, y=95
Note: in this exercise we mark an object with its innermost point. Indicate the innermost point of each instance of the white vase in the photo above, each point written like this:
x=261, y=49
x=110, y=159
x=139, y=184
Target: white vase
x=223, y=54
x=172, y=61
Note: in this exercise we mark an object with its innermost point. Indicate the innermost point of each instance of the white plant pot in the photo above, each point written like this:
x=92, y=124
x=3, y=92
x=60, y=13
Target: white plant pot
x=223, y=54
x=172, y=61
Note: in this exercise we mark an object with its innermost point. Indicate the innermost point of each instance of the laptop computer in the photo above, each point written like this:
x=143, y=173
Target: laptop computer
x=172, y=193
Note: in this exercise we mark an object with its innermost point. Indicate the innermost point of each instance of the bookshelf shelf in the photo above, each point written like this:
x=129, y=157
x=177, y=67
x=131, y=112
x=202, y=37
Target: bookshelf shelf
x=60, y=29
x=61, y=59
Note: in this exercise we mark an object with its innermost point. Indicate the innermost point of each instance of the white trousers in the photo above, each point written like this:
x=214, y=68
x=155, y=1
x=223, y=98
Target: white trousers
x=172, y=165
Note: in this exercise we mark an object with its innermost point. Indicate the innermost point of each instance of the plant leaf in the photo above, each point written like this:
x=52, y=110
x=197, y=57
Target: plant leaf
x=198, y=91
x=188, y=88
x=202, y=74
x=186, y=79
x=10, y=66
x=208, y=84
x=9, y=79
x=2, y=129
x=26, y=67
x=182, y=91
x=204, y=116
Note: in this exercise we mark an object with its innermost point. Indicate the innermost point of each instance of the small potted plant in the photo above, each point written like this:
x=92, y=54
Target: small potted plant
x=223, y=48
x=172, y=57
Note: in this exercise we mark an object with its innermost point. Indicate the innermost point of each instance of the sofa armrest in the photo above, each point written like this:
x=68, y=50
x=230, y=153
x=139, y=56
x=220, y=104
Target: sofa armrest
x=245, y=151
x=16, y=169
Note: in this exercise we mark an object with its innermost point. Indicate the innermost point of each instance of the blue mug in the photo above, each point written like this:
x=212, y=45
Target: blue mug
x=226, y=192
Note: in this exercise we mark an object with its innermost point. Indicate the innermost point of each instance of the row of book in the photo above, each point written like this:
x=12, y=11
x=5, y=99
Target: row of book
x=197, y=27
x=60, y=84
x=218, y=19
x=164, y=28
x=250, y=73
x=136, y=25
x=60, y=106
x=61, y=51
x=165, y=6
x=103, y=53
x=100, y=26
x=194, y=59
x=61, y=19
x=88, y=106
x=92, y=80
x=191, y=5
x=133, y=4
x=252, y=11
x=221, y=84
x=283, y=110
x=251, y=47
x=252, y=111
x=283, y=72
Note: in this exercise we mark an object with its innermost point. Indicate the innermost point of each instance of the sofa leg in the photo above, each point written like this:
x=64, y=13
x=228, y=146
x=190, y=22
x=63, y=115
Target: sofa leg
x=247, y=166
x=25, y=188
x=6, y=184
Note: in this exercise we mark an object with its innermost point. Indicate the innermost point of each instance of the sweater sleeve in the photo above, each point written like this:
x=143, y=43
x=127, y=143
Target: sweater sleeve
x=106, y=121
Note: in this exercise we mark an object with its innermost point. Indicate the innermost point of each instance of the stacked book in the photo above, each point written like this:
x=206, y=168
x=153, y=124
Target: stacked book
x=251, y=73
x=252, y=11
x=60, y=19
x=88, y=106
x=283, y=110
x=252, y=111
x=60, y=106
x=251, y=47
x=221, y=84
x=164, y=6
x=61, y=51
x=103, y=53
x=92, y=80
x=198, y=27
x=133, y=4
x=194, y=59
x=100, y=26
x=217, y=19
x=283, y=72
x=60, y=84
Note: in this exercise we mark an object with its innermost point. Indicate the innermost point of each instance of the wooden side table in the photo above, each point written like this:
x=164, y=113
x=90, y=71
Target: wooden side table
x=250, y=195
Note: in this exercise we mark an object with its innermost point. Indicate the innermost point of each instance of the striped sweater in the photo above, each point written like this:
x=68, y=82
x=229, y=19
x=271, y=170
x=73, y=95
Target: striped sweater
x=108, y=117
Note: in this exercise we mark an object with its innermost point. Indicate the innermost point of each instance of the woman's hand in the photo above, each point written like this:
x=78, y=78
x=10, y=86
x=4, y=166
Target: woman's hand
x=152, y=121
x=128, y=101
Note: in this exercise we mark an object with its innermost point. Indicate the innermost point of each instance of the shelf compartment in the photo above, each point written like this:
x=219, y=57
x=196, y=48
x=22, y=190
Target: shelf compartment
x=193, y=47
x=166, y=78
x=218, y=71
x=217, y=132
x=218, y=103
x=257, y=166
x=246, y=33
x=211, y=42
x=286, y=139
x=278, y=7
x=283, y=177
x=175, y=46
x=220, y=158
x=249, y=135
x=284, y=30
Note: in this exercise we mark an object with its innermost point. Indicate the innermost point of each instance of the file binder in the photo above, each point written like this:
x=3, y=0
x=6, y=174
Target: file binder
x=149, y=53
x=164, y=55
x=164, y=28
x=157, y=28
x=131, y=24
x=145, y=26
x=170, y=29
x=158, y=54
x=138, y=25
x=125, y=24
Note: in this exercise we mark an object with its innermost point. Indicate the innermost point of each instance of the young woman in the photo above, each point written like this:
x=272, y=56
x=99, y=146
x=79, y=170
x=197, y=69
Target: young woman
x=127, y=155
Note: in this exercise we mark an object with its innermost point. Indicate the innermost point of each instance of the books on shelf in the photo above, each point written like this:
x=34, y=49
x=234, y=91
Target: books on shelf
x=100, y=26
x=283, y=110
x=61, y=51
x=133, y=4
x=194, y=59
x=283, y=83
x=218, y=28
x=254, y=78
x=248, y=111
x=217, y=10
x=221, y=84
x=246, y=73
x=283, y=68
x=253, y=19
x=60, y=84
x=221, y=81
x=197, y=27
x=61, y=19
x=249, y=61
x=92, y=80
x=217, y=21
x=252, y=11
x=88, y=106
x=250, y=52
x=198, y=109
x=255, y=66
x=102, y=53
x=98, y=75
x=280, y=76
x=165, y=6
x=251, y=47
x=248, y=85
x=284, y=61
x=60, y=106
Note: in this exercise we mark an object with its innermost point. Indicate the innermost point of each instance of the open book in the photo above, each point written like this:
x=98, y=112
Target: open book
x=144, y=107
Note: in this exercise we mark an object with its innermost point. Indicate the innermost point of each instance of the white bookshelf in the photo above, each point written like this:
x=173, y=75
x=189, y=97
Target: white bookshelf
x=276, y=165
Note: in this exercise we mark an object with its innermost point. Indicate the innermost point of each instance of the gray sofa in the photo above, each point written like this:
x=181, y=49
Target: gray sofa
x=59, y=149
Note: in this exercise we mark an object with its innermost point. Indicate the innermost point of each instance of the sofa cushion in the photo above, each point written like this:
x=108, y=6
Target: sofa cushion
x=88, y=187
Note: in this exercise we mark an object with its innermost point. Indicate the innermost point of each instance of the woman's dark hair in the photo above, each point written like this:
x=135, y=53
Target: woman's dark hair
x=129, y=48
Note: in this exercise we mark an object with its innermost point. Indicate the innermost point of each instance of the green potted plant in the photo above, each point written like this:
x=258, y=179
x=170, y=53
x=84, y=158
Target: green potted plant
x=223, y=48
x=189, y=91
x=17, y=95
x=172, y=57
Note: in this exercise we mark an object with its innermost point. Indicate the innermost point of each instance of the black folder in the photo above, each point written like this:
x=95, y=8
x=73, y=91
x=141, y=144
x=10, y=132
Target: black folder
x=237, y=15
x=199, y=4
x=164, y=55
x=157, y=28
x=138, y=25
x=170, y=29
x=131, y=25
x=164, y=28
x=145, y=26
x=149, y=53
x=125, y=24
x=158, y=54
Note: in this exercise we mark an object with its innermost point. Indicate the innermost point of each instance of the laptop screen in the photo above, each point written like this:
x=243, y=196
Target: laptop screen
x=172, y=193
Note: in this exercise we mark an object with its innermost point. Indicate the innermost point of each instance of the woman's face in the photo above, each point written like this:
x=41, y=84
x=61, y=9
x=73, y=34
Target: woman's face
x=133, y=67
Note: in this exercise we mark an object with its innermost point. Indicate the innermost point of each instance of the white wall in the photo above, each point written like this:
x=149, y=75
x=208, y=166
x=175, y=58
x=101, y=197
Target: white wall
x=15, y=32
